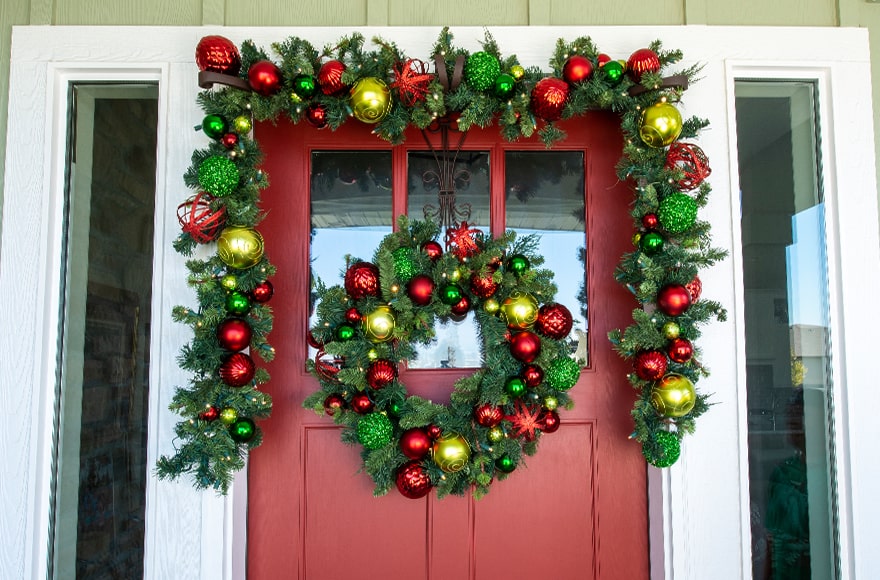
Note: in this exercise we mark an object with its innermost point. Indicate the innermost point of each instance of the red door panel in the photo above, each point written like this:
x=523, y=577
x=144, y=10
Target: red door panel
x=579, y=508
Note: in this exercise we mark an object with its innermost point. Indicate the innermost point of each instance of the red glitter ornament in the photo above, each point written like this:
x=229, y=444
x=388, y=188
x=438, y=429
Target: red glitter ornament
x=488, y=415
x=548, y=98
x=330, y=77
x=650, y=365
x=415, y=443
x=525, y=346
x=263, y=292
x=234, y=334
x=433, y=249
x=642, y=61
x=533, y=375
x=412, y=480
x=362, y=280
x=420, y=289
x=218, y=54
x=483, y=286
x=554, y=320
x=695, y=288
x=549, y=421
x=333, y=404
x=316, y=115
x=381, y=373
x=691, y=161
x=461, y=307
x=361, y=403
x=650, y=221
x=673, y=300
x=210, y=414
x=680, y=350
x=352, y=315
x=525, y=420
x=462, y=240
x=264, y=77
x=237, y=370
x=434, y=431
x=198, y=220
x=411, y=79
x=577, y=68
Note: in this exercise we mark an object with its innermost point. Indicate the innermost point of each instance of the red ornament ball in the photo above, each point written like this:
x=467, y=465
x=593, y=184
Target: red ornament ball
x=415, y=443
x=229, y=140
x=197, y=219
x=642, y=61
x=353, y=316
x=263, y=292
x=691, y=161
x=362, y=280
x=549, y=421
x=434, y=432
x=577, y=69
x=525, y=346
x=533, y=375
x=420, y=289
x=264, y=78
x=650, y=221
x=694, y=288
x=234, y=334
x=554, y=320
x=433, y=249
x=210, y=414
x=461, y=307
x=680, y=350
x=602, y=59
x=218, y=54
x=333, y=404
x=483, y=286
x=650, y=365
x=381, y=373
x=361, y=403
x=548, y=98
x=330, y=77
x=237, y=370
x=413, y=480
x=316, y=115
x=673, y=300
x=488, y=415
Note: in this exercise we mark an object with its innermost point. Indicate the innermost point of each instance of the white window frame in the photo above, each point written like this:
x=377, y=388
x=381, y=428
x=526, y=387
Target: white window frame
x=699, y=507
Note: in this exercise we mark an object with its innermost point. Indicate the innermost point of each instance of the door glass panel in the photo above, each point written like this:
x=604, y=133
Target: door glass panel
x=788, y=379
x=545, y=196
x=102, y=398
x=456, y=343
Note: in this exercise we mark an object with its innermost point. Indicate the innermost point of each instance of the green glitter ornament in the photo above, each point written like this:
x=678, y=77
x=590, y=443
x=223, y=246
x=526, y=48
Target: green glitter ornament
x=611, y=72
x=481, y=70
x=662, y=450
x=237, y=303
x=374, y=431
x=677, y=213
x=404, y=265
x=651, y=243
x=214, y=126
x=505, y=463
x=504, y=86
x=305, y=86
x=243, y=430
x=562, y=374
x=218, y=175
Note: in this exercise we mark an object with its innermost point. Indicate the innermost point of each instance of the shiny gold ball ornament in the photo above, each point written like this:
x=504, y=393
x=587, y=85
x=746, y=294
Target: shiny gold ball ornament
x=228, y=416
x=451, y=452
x=519, y=310
x=370, y=100
x=240, y=247
x=660, y=125
x=517, y=72
x=671, y=330
x=673, y=396
x=242, y=124
x=379, y=324
x=491, y=306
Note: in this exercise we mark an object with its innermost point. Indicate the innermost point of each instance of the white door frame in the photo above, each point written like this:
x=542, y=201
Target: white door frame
x=699, y=507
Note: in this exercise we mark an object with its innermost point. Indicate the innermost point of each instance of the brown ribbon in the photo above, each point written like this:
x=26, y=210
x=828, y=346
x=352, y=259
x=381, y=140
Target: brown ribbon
x=208, y=79
x=676, y=81
x=443, y=76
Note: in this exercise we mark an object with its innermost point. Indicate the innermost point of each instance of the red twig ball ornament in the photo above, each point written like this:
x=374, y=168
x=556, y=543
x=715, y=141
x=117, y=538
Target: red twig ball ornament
x=642, y=61
x=525, y=346
x=234, y=334
x=264, y=78
x=673, y=300
x=263, y=292
x=548, y=98
x=577, y=68
x=488, y=415
x=330, y=77
x=218, y=54
x=691, y=161
x=198, y=220
x=554, y=320
x=362, y=280
x=650, y=365
x=237, y=370
x=381, y=373
x=695, y=288
x=680, y=350
x=420, y=289
x=413, y=480
x=415, y=443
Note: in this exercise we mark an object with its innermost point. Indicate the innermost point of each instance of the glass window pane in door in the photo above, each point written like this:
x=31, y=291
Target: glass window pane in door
x=789, y=386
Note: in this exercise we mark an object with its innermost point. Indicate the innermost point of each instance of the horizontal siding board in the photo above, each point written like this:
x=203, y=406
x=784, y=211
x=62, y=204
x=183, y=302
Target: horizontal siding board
x=129, y=12
x=778, y=13
x=299, y=13
x=458, y=13
x=621, y=12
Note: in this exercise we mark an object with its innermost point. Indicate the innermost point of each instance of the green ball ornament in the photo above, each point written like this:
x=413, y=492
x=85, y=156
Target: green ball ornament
x=662, y=450
x=505, y=463
x=243, y=430
x=612, y=72
x=651, y=243
x=218, y=175
x=551, y=403
x=671, y=330
x=481, y=70
x=214, y=126
x=678, y=212
x=228, y=416
x=229, y=282
x=515, y=387
x=404, y=264
x=505, y=84
x=450, y=294
x=374, y=431
x=495, y=434
x=344, y=333
x=518, y=264
x=305, y=86
x=238, y=303
x=242, y=125
x=562, y=374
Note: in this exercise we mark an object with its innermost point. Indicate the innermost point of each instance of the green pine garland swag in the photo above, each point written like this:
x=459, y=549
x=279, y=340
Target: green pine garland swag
x=218, y=424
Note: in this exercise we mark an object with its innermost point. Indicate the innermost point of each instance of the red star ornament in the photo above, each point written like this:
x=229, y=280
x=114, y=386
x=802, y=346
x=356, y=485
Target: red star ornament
x=411, y=79
x=462, y=241
x=525, y=420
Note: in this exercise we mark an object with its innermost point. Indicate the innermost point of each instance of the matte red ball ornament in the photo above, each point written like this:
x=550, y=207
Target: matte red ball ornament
x=488, y=415
x=577, y=68
x=381, y=373
x=554, y=320
x=316, y=115
x=548, y=98
x=650, y=365
x=234, y=334
x=415, y=443
x=525, y=346
x=210, y=414
x=483, y=286
x=680, y=350
x=434, y=431
x=264, y=77
x=642, y=61
x=237, y=370
x=197, y=219
x=650, y=221
x=362, y=280
x=353, y=316
x=330, y=77
x=361, y=403
x=218, y=54
x=533, y=375
x=694, y=288
x=433, y=249
x=420, y=289
x=263, y=292
x=333, y=404
x=673, y=300
x=549, y=421
x=461, y=307
x=413, y=480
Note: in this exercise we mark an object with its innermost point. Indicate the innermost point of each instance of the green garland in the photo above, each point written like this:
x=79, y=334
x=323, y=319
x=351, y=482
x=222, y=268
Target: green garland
x=218, y=427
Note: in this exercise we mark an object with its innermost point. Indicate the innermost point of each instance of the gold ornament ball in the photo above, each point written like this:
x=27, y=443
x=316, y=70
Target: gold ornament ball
x=372, y=354
x=495, y=434
x=451, y=452
x=228, y=416
x=455, y=275
x=240, y=247
x=661, y=125
x=517, y=72
x=379, y=324
x=519, y=310
x=370, y=100
x=671, y=330
x=673, y=396
x=551, y=403
x=242, y=125
x=229, y=282
x=491, y=306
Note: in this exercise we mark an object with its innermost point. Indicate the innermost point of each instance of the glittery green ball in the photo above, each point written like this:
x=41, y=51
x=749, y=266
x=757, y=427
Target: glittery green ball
x=243, y=430
x=562, y=374
x=218, y=175
x=611, y=72
x=504, y=85
x=678, y=212
x=374, y=431
x=662, y=450
x=404, y=265
x=481, y=70
x=651, y=243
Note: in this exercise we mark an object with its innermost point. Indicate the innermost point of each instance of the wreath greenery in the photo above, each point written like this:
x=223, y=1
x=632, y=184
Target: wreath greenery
x=232, y=284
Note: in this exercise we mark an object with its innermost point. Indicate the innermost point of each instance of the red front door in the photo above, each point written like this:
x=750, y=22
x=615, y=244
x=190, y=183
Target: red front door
x=578, y=510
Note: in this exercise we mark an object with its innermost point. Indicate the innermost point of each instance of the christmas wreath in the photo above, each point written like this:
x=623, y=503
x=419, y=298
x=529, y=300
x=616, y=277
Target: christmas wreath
x=392, y=92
